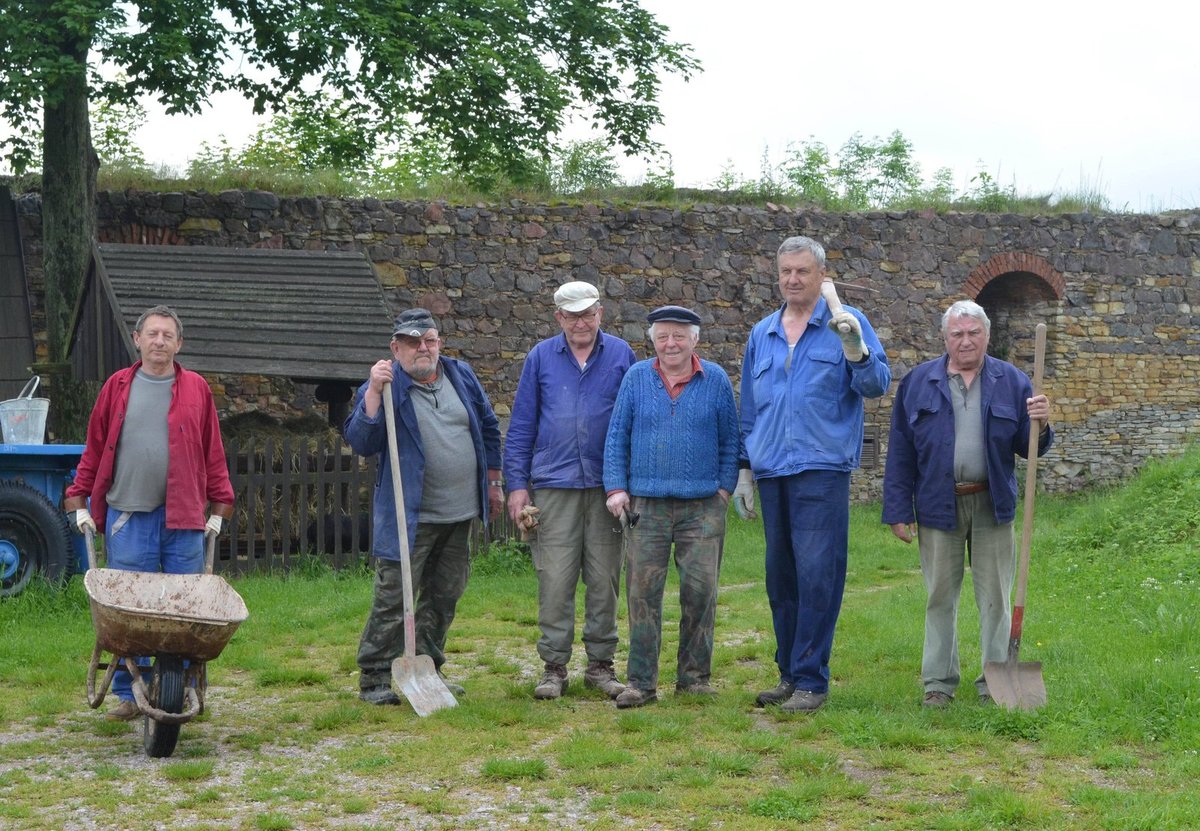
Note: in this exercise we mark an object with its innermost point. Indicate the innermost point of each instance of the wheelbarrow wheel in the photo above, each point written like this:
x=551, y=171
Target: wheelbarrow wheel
x=34, y=537
x=166, y=693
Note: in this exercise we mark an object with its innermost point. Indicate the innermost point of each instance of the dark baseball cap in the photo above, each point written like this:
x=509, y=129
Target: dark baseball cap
x=413, y=323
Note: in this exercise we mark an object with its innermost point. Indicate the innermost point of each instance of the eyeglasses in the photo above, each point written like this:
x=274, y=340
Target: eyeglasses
x=430, y=343
x=586, y=317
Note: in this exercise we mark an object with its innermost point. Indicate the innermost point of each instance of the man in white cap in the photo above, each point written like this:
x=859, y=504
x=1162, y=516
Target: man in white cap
x=554, y=459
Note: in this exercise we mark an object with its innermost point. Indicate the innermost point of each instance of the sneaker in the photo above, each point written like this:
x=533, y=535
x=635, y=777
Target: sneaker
x=777, y=695
x=378, y=695
x=633, y=697
x=125, y=711
x=455, y=689
x=937, y=699
x=553, y=683
x=985, y=699
x=695, y=689
x=600, y=675
x=804, y=701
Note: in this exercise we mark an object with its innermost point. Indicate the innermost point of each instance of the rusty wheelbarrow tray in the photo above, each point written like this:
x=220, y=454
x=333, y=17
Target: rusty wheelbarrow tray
x=178, y=618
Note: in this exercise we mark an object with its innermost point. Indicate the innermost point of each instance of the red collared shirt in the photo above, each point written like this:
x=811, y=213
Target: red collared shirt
x=675, y=389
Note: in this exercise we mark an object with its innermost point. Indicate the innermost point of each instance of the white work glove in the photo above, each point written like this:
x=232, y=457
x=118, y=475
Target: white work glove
x=213, y=526
x=847, y=327
x=83, y=519
x=743, y=494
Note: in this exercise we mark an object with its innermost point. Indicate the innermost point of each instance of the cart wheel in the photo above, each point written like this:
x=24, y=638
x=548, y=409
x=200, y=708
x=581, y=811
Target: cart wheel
x=166, y=693
x=34, y=536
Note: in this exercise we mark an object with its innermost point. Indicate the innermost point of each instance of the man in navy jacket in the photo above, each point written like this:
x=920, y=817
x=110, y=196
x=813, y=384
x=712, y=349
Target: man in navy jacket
x=441, y=409
x=958, y=421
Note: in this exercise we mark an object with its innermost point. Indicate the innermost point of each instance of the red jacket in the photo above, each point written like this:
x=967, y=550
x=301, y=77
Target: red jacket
x=197, y=475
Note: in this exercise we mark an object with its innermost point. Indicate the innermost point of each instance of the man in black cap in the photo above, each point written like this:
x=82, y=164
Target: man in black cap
x=441, y=409
x=670, y=464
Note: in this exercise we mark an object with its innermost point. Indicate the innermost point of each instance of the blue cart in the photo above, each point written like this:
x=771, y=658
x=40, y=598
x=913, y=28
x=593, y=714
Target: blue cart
x=35, y=536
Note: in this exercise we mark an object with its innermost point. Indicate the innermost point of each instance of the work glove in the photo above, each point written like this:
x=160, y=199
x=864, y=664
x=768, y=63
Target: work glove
x=83, y=519
x=743, y=495
x=847, y=327
x=213, y=526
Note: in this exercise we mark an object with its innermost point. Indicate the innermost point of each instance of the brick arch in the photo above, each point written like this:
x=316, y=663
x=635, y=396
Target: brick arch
x=1015, y=262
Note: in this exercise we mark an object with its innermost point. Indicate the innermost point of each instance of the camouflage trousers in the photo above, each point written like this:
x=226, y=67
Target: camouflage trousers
x=441, y=564
x=696, y=529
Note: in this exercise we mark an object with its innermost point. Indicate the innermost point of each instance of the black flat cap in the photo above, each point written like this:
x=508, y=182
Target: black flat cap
x=673, y=314
x=413, y=323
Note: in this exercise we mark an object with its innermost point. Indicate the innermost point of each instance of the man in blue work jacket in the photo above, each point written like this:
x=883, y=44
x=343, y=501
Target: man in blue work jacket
x=441, y=410
x=803, y=384
x=554, y=460
x=958, y=423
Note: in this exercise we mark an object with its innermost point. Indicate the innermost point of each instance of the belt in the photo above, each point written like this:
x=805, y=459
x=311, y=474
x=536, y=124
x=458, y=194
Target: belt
x=967, y=488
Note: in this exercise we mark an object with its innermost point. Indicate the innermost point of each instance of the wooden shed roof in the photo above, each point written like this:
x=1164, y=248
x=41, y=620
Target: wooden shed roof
x=307, y=315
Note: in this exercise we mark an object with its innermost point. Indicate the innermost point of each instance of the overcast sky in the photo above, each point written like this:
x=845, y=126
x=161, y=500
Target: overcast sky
x=1053, y=95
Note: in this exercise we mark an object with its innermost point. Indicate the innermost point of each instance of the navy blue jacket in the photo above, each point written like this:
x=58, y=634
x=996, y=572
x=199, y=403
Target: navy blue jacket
x=918, y=480
x=368, y=436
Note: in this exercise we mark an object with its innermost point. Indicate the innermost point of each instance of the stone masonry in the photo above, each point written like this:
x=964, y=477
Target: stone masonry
x=1120, y=294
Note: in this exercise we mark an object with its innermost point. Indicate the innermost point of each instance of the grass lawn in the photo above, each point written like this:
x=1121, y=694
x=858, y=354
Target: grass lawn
x=285, y=744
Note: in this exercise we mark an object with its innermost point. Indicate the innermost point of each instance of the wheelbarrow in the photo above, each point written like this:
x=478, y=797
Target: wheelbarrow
x=183, y=620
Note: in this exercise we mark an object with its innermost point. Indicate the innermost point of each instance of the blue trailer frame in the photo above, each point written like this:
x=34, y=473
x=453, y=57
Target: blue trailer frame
x=47, y=469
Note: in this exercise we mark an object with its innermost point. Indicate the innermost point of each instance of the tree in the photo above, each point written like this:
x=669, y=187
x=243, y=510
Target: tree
x=494, y=81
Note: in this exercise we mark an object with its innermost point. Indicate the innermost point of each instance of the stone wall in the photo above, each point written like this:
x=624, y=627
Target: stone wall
x=1117, y=292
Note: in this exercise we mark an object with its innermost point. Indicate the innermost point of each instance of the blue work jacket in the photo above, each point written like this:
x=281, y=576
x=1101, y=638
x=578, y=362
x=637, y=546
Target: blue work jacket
x=918, y=480
x=808, y=417
x=368, y=436
x=560, y=415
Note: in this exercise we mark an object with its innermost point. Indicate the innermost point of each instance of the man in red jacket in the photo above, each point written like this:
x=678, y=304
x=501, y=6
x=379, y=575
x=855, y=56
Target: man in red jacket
x=153, y=465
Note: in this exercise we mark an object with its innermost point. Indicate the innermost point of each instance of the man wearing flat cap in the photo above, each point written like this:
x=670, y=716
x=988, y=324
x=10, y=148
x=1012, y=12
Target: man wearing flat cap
x=670, y=464
x=554, y=460
x=441, y=409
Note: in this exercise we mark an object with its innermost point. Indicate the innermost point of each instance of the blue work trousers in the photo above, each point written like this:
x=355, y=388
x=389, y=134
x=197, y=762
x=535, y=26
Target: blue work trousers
x=806, y=519
x=141, y=541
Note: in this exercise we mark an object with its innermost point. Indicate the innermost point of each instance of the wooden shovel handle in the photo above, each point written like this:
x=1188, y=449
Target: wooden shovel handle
x=410, y=627
x=1039, y=360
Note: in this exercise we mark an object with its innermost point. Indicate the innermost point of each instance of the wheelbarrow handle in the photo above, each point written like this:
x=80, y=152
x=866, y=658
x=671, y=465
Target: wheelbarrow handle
x=89, y=542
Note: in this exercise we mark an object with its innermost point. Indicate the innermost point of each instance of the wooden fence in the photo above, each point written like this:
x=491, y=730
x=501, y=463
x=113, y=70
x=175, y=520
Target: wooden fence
x=297, y=497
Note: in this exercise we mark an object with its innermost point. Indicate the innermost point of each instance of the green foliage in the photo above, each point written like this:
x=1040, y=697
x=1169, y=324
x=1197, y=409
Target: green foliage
x=1114, y=748
x=514, y=769
x=113, y=128
x=504, y=557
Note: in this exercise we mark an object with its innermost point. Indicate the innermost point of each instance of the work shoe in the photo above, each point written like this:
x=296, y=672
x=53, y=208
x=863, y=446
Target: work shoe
x=378, y=695
x=804, y=701
x=600, y=675
x=937, y=699
x=633, y=697
x=553, y=683
x=455, y=689
x=695, y=689
x=125, y=711
x=777, y=695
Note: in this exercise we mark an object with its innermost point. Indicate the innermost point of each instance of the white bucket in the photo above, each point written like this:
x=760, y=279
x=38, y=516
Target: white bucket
x=23, y=419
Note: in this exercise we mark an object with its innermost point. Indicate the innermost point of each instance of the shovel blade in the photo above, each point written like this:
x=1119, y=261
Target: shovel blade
x=417, y=680
x=1014, y=684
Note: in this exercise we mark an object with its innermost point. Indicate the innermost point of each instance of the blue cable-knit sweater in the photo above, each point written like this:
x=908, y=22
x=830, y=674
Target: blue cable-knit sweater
x=685, y=448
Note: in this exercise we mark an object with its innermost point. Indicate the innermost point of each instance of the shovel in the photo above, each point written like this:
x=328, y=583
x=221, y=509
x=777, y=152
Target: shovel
x=1012, y=683
x=414, y=675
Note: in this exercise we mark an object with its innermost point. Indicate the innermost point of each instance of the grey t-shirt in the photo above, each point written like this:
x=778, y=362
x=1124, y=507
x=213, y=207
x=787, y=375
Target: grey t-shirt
x=450, y=492
x=970, y=460
x=140, y=472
